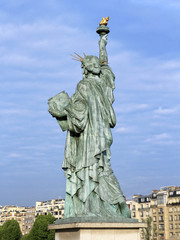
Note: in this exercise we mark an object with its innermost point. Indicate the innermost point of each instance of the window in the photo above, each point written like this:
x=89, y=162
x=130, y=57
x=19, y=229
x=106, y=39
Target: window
x=141, y=206
x=170, y=193
x=134, y=214
x=178, y=192
x=171, y=226
x=154, y=219
x=161, y=226
x=175, y=217
x=171, y=234
x=141, y=214
x=134, y=207
x=171, y=218
x=160, y=210
x=170, y=209
x=142, y=199
x=147, y=214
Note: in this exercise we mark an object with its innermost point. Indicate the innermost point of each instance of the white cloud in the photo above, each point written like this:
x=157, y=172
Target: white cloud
x=125, y=129
x=128, y=108
x=136, y=72
x=15, y=111
x=165, y=111
x=162, y=138
x=14, y=155
x=170, y=65
x=42, y=48
x=161, y=3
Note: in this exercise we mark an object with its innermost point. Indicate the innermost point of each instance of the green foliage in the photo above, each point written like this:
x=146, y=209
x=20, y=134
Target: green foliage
x=40, y=230
x=10, y=230
x=26, y=237
x=0, y=232
x=149, y=233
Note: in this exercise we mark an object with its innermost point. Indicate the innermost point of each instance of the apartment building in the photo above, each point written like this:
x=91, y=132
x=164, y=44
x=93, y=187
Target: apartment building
x=54, y=206
x=23, y=215
x=164, y=207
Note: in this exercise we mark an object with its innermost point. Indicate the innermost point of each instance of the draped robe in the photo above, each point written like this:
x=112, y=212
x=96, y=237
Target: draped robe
x=91, y=187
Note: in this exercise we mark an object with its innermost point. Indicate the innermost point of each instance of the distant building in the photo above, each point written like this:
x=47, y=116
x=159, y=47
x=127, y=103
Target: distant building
x=164, y=207
x=23, y=215
x=54, y=206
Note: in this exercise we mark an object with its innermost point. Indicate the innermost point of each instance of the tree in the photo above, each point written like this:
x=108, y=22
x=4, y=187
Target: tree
x=10, y=230
x=40, y=230
x=26, y=237
x=0, y=232
x=149, y=233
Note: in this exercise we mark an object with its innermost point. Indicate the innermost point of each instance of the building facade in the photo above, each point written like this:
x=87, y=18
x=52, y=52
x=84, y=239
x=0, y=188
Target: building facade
x=23, y=215
x=54, y=206
x=163, y=206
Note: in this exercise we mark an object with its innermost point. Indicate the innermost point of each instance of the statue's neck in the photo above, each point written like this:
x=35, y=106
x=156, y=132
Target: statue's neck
x=92, y=75
x=93, y=78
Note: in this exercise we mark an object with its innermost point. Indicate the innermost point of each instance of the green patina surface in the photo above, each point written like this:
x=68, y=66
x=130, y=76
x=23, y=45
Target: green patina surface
x=92, y=190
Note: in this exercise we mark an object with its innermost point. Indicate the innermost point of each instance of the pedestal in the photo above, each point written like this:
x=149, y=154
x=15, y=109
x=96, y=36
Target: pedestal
x=97, y=231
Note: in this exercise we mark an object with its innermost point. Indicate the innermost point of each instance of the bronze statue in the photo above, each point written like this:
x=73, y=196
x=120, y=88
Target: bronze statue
x=92, y=189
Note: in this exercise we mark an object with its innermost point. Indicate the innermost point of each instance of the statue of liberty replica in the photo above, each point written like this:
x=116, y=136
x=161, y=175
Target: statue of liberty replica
x=92, y=190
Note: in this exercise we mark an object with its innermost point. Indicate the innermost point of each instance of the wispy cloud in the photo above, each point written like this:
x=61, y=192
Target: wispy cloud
x=134, y=71
x=165, y=111
x=162, y=138
x=129, y=108
x=125, y=129
x=162, y=3
x=14, y=155
x=12, y=111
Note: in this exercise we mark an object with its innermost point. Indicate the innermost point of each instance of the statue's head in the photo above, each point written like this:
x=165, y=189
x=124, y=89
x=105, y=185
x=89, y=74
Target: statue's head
x=91, y=64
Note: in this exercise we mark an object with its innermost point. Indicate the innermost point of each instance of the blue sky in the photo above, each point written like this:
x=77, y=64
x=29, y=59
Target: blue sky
x=37, y=38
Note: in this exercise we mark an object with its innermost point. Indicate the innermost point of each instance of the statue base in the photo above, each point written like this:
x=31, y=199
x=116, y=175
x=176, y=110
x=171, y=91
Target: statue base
x=97, y=230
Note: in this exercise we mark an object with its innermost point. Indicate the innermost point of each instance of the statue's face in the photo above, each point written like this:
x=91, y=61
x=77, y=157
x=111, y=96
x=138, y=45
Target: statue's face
x=92, y=65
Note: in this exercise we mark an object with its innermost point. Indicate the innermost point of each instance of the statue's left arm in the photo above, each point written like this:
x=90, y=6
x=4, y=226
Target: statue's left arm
x=72, y=116
x=77, y=110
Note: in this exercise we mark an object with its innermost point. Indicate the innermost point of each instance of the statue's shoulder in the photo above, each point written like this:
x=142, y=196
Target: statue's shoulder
x=83, y=84
x=106, y=69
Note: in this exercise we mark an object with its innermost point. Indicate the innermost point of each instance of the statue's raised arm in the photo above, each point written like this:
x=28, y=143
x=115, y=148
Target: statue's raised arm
x=103, y=30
